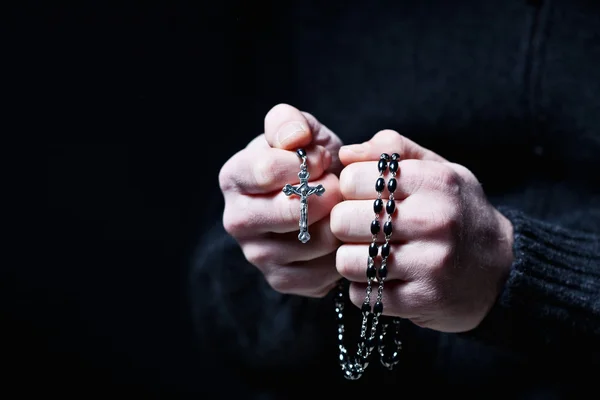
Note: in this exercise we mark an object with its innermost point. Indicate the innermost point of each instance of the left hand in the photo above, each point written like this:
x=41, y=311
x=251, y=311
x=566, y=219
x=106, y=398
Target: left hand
x=451, y=250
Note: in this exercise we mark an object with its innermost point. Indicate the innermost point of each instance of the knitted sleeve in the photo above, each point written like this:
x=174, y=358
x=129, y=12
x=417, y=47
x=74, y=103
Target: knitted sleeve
x=550, y=305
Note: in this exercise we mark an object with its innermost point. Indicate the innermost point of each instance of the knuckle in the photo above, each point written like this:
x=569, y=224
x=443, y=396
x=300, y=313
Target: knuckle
x=389, y=136
x=257, y=255
x=448, y=180
x=281, y=281
x=225, y=181
x=445, y=257
x=232, y=222
x=263, y=172
x=452, y=221
x=319, y=294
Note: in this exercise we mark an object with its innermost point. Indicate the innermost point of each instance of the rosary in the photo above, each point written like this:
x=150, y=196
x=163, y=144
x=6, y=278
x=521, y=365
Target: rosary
x=373, y=333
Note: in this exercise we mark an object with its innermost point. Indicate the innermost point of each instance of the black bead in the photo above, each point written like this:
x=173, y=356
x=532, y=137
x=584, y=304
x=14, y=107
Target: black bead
x=371, y=272
x=375, y=227
x=396, y=157
x=394, y=166
x=387, y=228
x=366, y=307
x=382, y=272
x=378, y=309
x=390, y=207
x=301, y=153
x=373, y=249
x=382, y=165
x=392, y=185
x=385, y=250
x=378, y=206
x=385, y=156
x=380, y=185
x=343, y=358
x=392, y=358
x=369, y=343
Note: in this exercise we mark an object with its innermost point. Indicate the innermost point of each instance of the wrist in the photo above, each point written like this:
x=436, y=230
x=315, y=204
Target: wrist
x=504, y=255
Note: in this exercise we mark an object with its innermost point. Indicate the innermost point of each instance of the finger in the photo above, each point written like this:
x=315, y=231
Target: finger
x=248, y=216
x=313, y=278
x=283, y=249
x=357, y=180
x=386, y=141
x=258, y=170
x=406, y=262
x=287, y=128
x=258, y=143
x=415, y=218
x=409, y=300
x=323, y=136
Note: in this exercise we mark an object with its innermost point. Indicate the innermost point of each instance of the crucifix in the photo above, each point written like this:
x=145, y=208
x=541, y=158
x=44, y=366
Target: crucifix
x=304, y=191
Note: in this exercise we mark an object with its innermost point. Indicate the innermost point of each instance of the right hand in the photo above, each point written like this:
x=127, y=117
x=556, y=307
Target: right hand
x=264, y=221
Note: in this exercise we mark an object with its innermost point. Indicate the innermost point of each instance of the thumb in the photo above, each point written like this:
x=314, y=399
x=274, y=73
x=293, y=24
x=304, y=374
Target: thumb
x=288, y=128
x=386, y=141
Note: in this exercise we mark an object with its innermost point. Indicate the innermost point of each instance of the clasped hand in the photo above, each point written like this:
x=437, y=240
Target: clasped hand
x=451, y=249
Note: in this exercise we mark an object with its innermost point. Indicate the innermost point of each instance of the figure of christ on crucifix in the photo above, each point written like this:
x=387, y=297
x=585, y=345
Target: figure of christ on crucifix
x=304, y=191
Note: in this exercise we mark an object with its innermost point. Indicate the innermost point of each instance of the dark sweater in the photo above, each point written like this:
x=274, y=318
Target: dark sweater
x=509, y=89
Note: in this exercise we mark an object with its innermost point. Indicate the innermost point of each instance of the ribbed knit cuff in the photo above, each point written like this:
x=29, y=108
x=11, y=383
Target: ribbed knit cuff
x=552, y=296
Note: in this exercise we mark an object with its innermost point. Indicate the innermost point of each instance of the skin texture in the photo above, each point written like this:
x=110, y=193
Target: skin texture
x=451, y=249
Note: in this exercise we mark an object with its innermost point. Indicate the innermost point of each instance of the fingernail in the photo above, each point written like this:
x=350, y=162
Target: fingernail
x=289, y=131
x=354, y=148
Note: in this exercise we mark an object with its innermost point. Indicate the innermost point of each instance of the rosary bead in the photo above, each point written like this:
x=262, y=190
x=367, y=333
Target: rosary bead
x=385, y=250
x=391, y=359
x=392, y=185
x=395, y=157
x=373, y=249
x=380, y=185
x=368, y=343
x=366, y=308
x=378, y=308
x=387, y=228
x=383, y=272
x=382, y=165
x=378, y=206
x=385, y=156
x=301, y=153
x=375, y=227
x=390, y=207
x=371, y=272
x=394, y=166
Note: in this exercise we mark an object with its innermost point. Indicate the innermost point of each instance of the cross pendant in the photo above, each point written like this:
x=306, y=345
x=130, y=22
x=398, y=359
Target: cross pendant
x=304, y=191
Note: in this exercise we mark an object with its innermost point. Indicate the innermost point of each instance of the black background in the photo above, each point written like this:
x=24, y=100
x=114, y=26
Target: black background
x=141, y=103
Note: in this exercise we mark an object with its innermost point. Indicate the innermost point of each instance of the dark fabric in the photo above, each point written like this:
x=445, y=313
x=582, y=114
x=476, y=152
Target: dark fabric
x=511, y=90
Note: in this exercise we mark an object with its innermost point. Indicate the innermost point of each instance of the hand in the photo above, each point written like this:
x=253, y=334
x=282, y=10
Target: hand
x=264, y=221
x=451, y=250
